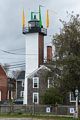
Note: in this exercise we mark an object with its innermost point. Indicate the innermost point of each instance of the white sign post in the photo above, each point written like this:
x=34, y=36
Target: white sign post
x=72, y=110
x=48, y=110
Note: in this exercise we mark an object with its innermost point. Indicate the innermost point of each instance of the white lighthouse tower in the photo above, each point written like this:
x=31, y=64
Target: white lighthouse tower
x=34, y=35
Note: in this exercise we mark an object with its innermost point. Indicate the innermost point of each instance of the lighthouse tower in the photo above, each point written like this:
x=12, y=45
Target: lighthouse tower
x=34, y=35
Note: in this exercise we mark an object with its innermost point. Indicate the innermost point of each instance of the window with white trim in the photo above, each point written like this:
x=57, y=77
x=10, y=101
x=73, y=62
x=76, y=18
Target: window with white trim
x=22, y=83
x=73, y=98
x=35, y=97
x=22, y=94
x=35, y=82
x=48, y=83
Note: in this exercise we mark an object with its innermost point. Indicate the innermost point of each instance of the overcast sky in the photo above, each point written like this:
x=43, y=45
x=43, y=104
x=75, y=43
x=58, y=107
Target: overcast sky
x=11, y=37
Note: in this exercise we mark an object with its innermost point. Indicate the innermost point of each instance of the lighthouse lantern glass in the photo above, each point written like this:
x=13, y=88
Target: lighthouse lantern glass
x=32, y=24
x=37, y=24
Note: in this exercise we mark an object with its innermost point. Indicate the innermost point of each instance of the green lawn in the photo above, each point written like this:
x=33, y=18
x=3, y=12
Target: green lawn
x=35, y=117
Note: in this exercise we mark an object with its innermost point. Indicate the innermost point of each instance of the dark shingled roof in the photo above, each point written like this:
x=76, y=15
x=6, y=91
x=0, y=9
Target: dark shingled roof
x=21, y=75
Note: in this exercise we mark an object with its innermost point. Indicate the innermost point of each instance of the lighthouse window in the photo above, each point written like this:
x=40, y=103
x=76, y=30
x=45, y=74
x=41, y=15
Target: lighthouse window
x=37, y=24
x=29, y=25
x=35, y=82
x=32, y=24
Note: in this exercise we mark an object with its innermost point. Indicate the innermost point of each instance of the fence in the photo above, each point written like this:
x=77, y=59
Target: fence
x=38, y=109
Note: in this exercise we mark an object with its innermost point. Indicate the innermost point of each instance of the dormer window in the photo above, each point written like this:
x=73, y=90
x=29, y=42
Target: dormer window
x=35, y=82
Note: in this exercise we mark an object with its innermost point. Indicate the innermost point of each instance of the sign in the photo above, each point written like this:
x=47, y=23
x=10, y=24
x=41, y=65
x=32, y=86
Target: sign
x=72, y=110
x=48, y=109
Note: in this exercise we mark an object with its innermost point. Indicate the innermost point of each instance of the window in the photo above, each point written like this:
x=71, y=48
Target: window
x=22, y=94
x=0, y=95
x=48, y=83
x=36, y=98
x=35, y=82
x=22, y=83
x=37, y=24
x=73, y=98
x=32, y=24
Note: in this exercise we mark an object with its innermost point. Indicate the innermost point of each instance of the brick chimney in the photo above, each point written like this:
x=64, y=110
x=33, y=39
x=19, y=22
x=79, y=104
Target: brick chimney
x=49, y=54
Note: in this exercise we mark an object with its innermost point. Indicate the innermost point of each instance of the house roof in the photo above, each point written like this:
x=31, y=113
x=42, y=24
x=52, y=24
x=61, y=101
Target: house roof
x=48, y=67
x=35, y=71
x=53, y=68
x=21, y=75
x=2, y=70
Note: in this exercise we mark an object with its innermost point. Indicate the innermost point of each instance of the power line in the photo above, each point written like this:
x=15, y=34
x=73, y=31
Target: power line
x=17, y=49
x=17, y=67
x=17, y=64
x=23, y=61
x=8, y=52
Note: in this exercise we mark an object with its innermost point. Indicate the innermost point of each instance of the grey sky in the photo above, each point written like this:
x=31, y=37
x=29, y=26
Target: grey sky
x=11, y=37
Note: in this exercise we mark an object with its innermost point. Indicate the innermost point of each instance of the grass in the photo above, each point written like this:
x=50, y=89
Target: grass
x=35, y=117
